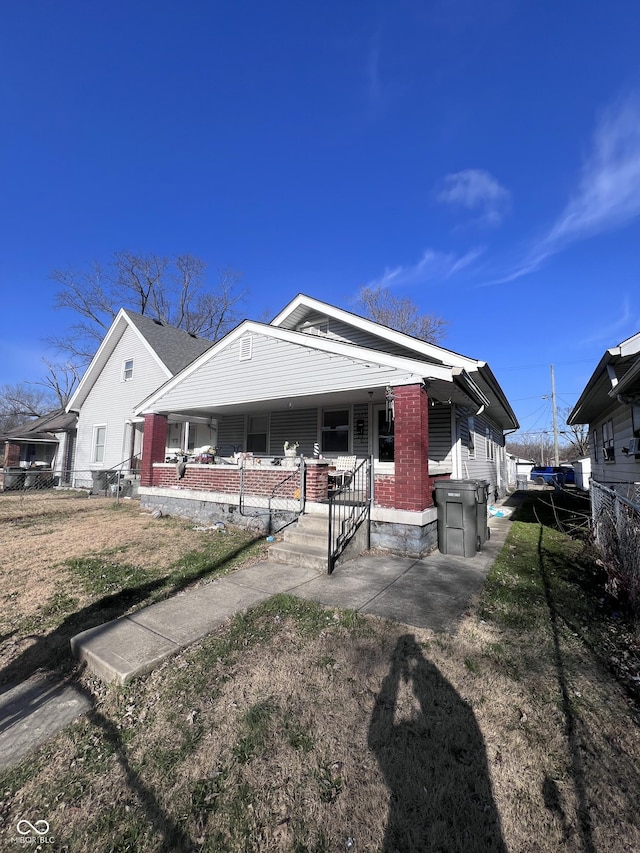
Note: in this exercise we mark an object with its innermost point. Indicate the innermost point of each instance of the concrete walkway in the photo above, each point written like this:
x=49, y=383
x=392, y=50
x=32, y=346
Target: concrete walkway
x=433, y=592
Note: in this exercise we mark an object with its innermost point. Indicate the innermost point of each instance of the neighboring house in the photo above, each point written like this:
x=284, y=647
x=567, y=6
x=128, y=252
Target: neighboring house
x=137, y=355
x=319, y=375
x=46, y=443
x=610, y=405
x=518, y=468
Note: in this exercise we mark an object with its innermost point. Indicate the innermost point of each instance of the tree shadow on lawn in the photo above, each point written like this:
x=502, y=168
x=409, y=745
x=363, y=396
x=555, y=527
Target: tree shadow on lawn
x=434, y=763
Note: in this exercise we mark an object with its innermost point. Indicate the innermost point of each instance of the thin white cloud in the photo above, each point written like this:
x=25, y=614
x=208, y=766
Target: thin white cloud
x=478, y=192
x=608, y=194
x=433, y=265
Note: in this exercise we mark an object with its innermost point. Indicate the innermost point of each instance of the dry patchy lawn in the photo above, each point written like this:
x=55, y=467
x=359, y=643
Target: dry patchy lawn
x=297, y=728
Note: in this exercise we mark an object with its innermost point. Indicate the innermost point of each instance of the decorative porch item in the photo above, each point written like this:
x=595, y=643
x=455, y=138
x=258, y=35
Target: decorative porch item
x=290, y=453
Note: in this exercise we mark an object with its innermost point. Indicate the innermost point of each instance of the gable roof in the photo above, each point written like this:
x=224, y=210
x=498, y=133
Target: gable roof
x=616, y=374
x=171, y=348
x=43, y=428
x=301, y=306
x=446, y=381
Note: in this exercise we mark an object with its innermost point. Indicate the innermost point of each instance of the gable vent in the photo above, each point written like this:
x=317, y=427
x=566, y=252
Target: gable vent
x=246, y=348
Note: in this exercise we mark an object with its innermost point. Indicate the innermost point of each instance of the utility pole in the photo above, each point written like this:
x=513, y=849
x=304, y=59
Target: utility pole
x=556, y=456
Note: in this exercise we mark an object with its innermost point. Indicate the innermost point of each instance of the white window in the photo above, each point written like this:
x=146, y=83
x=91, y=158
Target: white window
x=127, y=369
x=99, y=440
x=489, y=445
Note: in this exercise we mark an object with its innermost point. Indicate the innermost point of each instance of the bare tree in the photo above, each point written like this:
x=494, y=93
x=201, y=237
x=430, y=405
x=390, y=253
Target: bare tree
x=174, y=290
x=400, y=313
x=577, y=435
x=20, y=404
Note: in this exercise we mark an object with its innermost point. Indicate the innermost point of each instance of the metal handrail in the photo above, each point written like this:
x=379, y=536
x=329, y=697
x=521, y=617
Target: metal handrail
x=349, y=506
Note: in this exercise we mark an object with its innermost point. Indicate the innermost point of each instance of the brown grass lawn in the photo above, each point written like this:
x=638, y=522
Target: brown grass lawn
x=297, y=728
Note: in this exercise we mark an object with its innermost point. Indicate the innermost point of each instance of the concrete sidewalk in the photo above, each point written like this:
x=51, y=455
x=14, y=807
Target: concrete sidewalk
x=432, y=593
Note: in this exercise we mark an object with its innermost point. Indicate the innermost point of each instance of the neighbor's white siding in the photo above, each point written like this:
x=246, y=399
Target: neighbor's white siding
x=111, y=402
x=625, y=469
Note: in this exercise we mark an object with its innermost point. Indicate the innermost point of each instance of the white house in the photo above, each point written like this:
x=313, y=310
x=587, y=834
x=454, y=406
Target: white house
x=137, y=355
x=610, y=405
x=319, y=375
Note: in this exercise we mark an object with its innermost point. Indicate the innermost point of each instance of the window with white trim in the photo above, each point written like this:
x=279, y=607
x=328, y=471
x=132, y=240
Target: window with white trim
x=127, y=369
x=635, y=420
x=99, y=442
x=490, y=448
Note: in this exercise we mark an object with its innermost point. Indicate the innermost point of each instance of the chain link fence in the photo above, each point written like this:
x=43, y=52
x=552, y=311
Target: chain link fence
x=616, y=529
x=110, y=483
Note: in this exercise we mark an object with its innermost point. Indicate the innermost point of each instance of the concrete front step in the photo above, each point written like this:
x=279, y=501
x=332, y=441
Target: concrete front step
x=309, y=556
x=297, y=536
x=312, y=523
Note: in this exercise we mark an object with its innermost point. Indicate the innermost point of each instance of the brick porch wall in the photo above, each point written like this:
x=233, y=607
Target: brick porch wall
x=412, y=481
x=11, y=455
x=153, y=447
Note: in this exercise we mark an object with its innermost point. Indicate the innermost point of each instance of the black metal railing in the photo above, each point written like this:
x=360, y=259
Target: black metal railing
x=349, y=508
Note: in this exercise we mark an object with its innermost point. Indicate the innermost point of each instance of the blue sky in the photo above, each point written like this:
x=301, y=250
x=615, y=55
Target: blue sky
x=481, y=158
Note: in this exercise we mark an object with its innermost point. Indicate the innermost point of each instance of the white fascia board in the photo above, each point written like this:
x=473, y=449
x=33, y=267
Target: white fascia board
x=590, y=387
x=630, y=376
x=631, y=346
x=422, y=347
x=415, y=370
x=109, y=342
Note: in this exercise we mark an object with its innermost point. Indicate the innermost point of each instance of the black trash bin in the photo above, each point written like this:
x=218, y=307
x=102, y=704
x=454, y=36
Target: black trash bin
x=462, y=516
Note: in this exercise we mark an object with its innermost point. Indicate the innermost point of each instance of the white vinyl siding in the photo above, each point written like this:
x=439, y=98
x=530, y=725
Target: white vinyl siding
x=111, y=401
x=278, y=370
x=625, y=468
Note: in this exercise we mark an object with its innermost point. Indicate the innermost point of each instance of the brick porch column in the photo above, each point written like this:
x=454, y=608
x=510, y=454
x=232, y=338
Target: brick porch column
x=11, y=455
x=316, y=480
x=411, y=414
x=154, y=444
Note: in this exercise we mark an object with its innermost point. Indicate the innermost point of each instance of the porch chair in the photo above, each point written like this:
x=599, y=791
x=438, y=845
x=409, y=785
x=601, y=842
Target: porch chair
x=345, y=466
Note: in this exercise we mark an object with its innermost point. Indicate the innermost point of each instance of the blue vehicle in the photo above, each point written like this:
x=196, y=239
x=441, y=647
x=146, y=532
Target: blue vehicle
x=552, y=475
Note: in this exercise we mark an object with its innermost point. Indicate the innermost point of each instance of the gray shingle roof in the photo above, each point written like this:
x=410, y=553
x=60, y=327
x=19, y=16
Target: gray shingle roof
x=175, y=347
x=43, y=427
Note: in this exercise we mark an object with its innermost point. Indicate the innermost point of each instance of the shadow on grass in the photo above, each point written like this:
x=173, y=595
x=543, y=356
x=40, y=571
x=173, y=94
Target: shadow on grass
x=50, y=656
x=50, y=653
x=434, y=763
x=571, y=729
